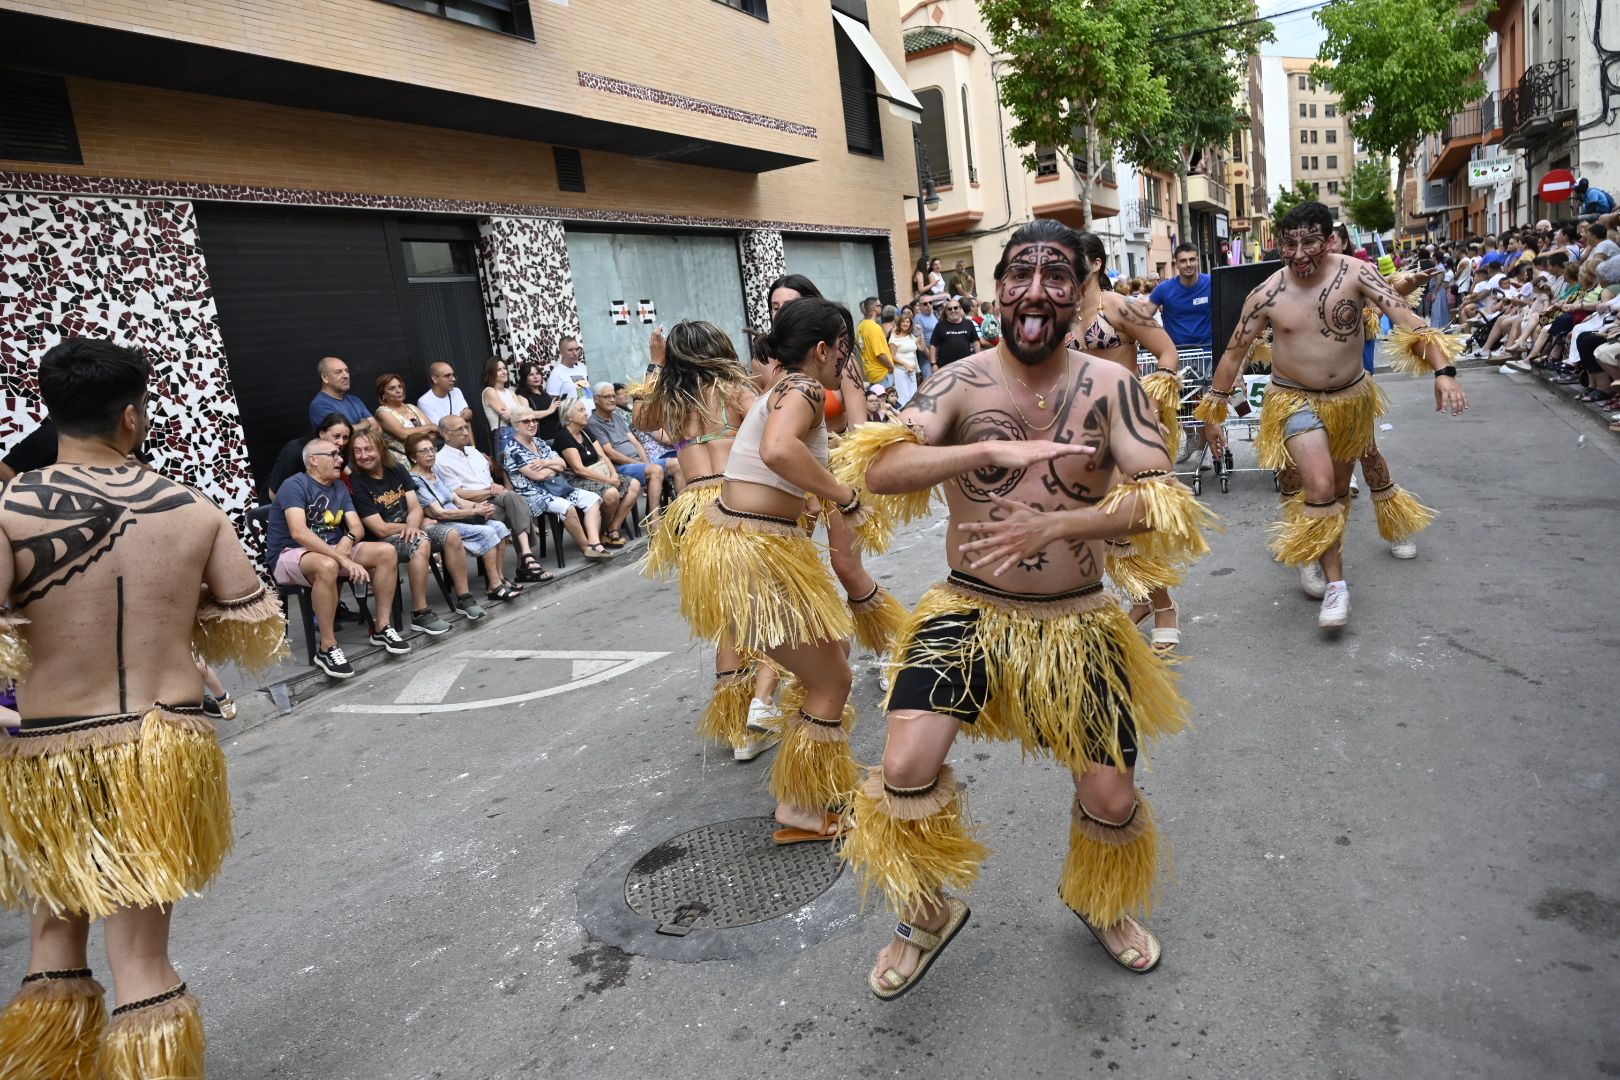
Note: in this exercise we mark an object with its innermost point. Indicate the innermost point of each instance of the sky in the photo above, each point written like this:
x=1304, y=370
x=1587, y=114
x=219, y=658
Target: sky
x=1297, y=35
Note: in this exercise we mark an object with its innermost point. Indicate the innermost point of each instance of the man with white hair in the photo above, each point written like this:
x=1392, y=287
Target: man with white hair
x=610, y=426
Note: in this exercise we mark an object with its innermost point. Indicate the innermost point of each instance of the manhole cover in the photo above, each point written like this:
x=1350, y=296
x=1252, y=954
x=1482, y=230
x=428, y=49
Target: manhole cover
x=727, y=874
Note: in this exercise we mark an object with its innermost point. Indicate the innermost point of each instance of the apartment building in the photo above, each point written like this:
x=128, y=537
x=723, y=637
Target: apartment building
x=1319, y=141
x=244, y=186
x=1550, y=103
x=1251, y=201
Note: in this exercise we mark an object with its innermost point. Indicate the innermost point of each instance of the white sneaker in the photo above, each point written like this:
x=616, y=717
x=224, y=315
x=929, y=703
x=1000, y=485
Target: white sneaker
x=1355, y=488
x=1403, y=549
x=1312, y=580
x=759, y=716
x=756, y=745
x=1335, y=607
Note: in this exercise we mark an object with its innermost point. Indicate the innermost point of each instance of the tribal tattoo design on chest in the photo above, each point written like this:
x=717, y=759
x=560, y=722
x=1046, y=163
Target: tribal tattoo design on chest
x=1343, y=321
x=85, y=519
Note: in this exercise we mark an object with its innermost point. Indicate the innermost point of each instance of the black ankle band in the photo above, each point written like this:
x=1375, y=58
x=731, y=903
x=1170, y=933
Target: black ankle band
x=729, y=674
x=868, y=597
x=1089, y=816
x=146, y=1003
x=818, y=721
x=63, y=973
x=912, y=792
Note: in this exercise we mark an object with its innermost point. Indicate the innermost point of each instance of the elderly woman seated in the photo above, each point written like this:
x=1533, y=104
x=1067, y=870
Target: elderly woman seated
x=481, y=534
x=536, y=474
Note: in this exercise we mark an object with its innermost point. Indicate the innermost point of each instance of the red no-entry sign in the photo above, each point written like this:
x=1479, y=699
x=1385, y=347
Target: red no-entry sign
x=1557, y=186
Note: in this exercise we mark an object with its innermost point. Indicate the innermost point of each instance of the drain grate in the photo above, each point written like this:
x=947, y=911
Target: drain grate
x=727, y=874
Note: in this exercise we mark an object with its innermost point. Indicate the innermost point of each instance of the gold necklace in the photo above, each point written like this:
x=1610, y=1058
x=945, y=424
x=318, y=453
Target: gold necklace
x=1040, y=399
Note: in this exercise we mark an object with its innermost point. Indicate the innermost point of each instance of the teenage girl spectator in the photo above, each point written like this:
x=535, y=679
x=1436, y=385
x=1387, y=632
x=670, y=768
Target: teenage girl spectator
x=398, y=417
x=499, y=401
x=334, y=428
x=903, y=346
x=590, y=470
x=531, y=387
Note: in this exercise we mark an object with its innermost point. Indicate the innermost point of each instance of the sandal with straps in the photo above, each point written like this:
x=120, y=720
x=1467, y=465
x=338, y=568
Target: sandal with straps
x=930, y=942
x=1164, y=639
x=1127, y=957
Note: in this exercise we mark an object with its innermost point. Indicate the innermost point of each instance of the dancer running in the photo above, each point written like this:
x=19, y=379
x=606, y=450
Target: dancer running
x=1020, y=642
x=698, y=392
x=1110, y=326
x=1321, y=406
x=113, y=799
x=751, y=575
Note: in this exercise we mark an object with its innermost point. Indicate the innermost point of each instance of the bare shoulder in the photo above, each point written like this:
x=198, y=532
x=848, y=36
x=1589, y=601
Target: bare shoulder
x=954, y=383
x=1274, y=284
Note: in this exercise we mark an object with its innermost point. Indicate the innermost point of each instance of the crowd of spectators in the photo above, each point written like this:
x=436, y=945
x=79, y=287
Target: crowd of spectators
x=370, y=494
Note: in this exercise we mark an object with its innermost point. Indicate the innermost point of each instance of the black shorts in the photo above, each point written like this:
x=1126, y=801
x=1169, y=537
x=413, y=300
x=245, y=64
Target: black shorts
x=962, y=692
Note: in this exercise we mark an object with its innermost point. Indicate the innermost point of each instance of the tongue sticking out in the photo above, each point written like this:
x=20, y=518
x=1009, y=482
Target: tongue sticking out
x=1032, y=327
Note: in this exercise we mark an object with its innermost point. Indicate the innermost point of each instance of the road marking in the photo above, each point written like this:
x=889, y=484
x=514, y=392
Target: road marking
x=426, y=691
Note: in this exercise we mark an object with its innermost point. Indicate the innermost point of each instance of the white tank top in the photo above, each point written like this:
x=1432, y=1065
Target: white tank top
x=745, y=465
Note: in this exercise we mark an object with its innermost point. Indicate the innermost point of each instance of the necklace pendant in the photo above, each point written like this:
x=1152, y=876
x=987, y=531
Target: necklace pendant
x=1040, y=401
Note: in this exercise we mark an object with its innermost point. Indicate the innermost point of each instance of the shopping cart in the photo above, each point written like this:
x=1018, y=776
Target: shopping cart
x=1197, y=368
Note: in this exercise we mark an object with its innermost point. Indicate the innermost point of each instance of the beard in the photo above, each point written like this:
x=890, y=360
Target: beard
x=1034, y=333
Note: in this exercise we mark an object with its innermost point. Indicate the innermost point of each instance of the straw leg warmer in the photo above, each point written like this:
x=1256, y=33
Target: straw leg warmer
x=160, y=1038
x=813, y=766
x=52, y=1028
x=912, y=843
x=1112, y=866
x=725, y=720
x=1307, y=531
x=1400, y=515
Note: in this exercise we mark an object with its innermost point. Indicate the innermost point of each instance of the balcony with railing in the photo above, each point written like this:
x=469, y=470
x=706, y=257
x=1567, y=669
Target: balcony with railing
x=1207, y=193
x=1468, y=127
x=1539, y=105
x=1139, y=215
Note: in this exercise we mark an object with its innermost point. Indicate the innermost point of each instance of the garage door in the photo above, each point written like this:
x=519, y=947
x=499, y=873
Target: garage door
x=843, y=270
x=680, y=276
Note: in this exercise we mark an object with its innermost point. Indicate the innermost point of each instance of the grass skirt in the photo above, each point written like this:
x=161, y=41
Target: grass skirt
x=1348, y=416
x=762, y=581
x=670, y=526
x=109, y=813
x=1064, y=677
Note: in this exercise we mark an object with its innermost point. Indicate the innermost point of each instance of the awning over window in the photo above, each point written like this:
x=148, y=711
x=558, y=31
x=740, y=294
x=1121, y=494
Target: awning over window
x=902, y=102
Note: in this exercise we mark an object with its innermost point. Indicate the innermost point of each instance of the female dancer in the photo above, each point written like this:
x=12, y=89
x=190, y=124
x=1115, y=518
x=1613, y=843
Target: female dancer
x=698, y=393
x=1108, y=325
x=878, y=615
x=751, y=575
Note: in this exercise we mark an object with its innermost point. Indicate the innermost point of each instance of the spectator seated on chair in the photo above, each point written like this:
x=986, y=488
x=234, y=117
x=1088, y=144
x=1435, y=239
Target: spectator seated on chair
x=589, y=469
x=385, y=498
x=659, y=450
x=397, y=416
x=465, y=469
x=333, y=428
x=444, y=397
x=481, y=534
x=609, y=425
x=315, y=540
x=537, y=472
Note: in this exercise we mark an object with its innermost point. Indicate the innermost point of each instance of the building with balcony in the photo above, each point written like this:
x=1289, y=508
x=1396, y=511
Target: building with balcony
x=1547, y=106
x=1250, y=200
x=244, y=190
x=985, y=190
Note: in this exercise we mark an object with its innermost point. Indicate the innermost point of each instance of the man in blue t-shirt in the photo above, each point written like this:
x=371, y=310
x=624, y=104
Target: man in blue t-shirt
x=334, y=396
x=1185, y=302
x=1593, y=200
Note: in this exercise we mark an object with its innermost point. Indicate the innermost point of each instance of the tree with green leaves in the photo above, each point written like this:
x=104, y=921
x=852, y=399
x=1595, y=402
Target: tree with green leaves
x=1205, y=74
x=1287, y=199
x=1401, y=68
x=1081, y=76
x=1367, y=200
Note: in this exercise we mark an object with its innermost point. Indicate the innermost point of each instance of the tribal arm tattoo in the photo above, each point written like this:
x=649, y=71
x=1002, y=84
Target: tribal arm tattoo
x=1138, y=326
x=802, y=385
x=1136, y=444
x=1343, y=321
x=1382, y=295
x=85, y=521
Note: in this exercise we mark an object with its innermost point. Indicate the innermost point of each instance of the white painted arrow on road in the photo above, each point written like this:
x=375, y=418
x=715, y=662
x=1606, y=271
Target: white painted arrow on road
x=426, y=691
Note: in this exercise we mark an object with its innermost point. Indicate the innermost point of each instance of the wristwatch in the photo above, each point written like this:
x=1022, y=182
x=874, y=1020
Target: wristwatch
x=1450, y=371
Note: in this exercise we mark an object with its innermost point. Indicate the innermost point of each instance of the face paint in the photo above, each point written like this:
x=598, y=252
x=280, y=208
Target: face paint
x=1302, y=250
x=1037, y=294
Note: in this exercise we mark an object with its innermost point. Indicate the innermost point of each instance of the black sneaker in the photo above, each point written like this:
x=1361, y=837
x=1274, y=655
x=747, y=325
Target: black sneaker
x=390, y=640
x=429, y=622
x=334, y=663
x=219, y=708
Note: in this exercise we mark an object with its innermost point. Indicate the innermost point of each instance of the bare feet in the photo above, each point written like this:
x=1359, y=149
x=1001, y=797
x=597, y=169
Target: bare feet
x=899, y=953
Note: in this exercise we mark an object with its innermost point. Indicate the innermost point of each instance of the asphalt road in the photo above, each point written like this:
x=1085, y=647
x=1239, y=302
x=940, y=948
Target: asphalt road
x=1394, y=851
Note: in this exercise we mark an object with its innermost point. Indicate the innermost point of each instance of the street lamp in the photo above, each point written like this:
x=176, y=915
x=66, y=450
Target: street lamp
x=927, y=197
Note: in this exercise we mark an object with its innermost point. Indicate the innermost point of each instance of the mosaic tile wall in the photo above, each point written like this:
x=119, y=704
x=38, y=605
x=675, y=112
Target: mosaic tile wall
x=131, y=270
x=764, y=259
x=528, y=287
